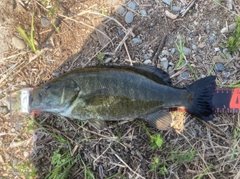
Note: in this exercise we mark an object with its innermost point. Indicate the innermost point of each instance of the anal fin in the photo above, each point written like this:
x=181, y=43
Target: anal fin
x=160, y=119
x=97, y=124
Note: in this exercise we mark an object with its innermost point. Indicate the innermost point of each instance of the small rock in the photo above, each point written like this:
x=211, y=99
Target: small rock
x=199, y=58
x=229, y=56
x=211, y=39
x=215, y=21
x=225, y=51
x=45, y=22
x=107, y=60
x=170, y=70
x=226, y=74
x=187, y=51
x=208, y=27
x=146, y=62
x=219, y=67
x=143, y=12
x=232, y=27
x=147, y=56
x=18, y=43
x=120, y=32
x=120, y=10
x=136, y=40
x=55, y=74
x=26, y=154
x=216, y=49
x=164, y=63
x=129, y=17
x=165, y=53
x=194, y=47
x=13, y=130
x=168, y=2
x=15, y=162
x=173, y=50
x=35, y=137
x=132, y=5
x=183, y=76
x=171, y=64
x=18, y=125
x=224, y=30
x=176, y=8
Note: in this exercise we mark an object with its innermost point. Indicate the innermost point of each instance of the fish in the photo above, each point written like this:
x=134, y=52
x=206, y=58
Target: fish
x=114, y=93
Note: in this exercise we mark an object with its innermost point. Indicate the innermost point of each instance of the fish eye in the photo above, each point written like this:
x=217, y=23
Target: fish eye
x=47, y=87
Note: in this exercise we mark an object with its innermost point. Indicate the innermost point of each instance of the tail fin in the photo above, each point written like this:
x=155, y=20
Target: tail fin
x=200, y=98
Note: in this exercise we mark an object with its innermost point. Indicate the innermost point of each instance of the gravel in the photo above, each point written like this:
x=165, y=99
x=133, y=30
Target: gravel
x=120, y=10
x=226, y=74
x=18, y=43
x=132, y=5
x=176, y=8
x=183, y=76
x=164, y=63
x=143, y=12
x=211, y=39
x=120, y=32
x=129, y=17
x=168, y=2
x=45, y=22
x=187, y=51
x=146, y=62
x=165, y=53
x=173, y=50
x=136, y=41
x=232, y=27
x=219, y=67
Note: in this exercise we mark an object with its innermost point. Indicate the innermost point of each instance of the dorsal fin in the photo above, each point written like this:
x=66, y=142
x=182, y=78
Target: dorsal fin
x=154, y=73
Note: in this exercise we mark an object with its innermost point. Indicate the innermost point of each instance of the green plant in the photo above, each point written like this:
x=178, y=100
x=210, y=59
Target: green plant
x=193, y=71
x=27, y=170
x=156, y=140
x=205, y=171
x=180, y=50
x=234, y=85
x=211, y=70
x=234, y=41
x=159, y=166
x=236, y=137
x=114, y=176
x=29, y=40
x=31, y=124
x=104, y=11
x=218, y=1
x=183, y=156
x=52, y=11
x=100, y=56
x=87, y=172
x=62, y=163
x=45, y=2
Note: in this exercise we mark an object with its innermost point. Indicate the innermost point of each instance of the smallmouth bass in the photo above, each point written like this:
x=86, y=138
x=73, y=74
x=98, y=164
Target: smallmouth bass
x=113, y=93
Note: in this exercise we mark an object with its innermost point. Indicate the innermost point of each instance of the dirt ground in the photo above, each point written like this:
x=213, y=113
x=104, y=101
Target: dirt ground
x=78, y=33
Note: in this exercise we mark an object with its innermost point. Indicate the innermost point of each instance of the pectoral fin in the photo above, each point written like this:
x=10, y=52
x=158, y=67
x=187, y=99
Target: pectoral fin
x=97, y=124
x=160, y=119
